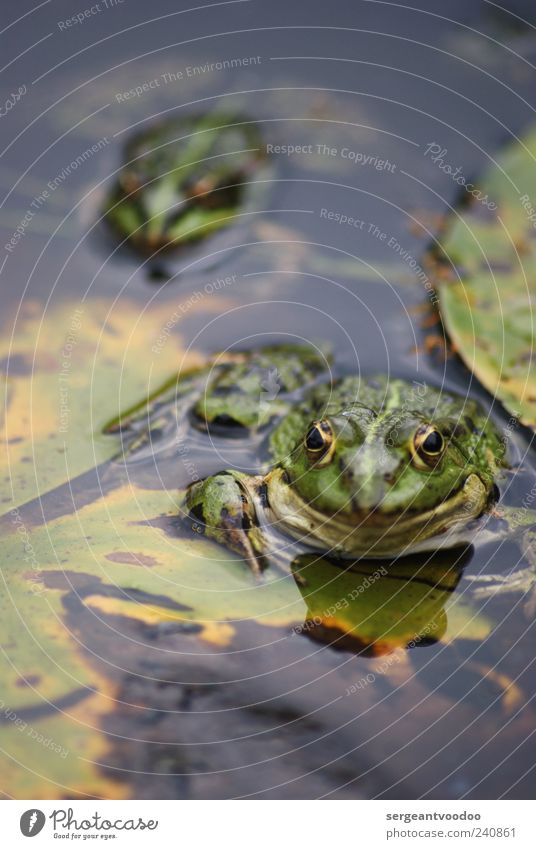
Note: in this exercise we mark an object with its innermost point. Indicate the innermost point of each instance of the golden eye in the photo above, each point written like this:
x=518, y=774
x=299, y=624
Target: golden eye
x=319, y=441
x=428, y=444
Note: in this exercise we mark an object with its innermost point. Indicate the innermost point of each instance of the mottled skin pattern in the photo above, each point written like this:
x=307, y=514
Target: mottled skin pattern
x=182, y=179
x=362, y=467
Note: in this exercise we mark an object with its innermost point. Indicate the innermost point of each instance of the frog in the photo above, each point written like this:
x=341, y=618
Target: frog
x=358, y=467
x=182, y=179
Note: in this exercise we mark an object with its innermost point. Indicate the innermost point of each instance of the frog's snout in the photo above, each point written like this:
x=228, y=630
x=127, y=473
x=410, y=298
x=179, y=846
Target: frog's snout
x=369, y=474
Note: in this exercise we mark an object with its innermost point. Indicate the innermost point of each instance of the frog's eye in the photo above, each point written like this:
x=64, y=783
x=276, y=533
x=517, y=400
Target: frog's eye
x=428, y=444
x=319, y=441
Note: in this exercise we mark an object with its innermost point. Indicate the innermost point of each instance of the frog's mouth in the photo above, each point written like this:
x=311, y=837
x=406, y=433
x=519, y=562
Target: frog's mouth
x=373, y=533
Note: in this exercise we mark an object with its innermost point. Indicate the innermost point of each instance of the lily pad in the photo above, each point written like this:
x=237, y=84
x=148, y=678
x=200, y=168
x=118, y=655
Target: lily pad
x=137, y=569
x=128, y=558
x=125, y=565
x=66, y=372
x=486, y=279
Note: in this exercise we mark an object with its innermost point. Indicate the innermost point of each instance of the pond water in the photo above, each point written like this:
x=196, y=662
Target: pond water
x=247, y=703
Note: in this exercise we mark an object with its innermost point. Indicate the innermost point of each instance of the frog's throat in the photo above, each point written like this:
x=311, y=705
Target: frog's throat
x=377, y=534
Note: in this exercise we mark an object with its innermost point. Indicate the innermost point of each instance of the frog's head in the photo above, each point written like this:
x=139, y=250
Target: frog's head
x=375, y=483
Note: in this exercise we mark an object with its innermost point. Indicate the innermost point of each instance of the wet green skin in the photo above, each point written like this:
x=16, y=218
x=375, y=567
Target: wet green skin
x=183, y=179
x=371, y=494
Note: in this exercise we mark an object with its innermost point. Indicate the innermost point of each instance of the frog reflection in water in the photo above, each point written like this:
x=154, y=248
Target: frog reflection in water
x=377, y=607
x=359, y=468
x=183, y=179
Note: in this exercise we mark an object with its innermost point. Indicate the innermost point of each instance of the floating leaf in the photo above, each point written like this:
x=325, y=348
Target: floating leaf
x=120, y=559
x=486, y=280
x=66, y=373
x=127, y=558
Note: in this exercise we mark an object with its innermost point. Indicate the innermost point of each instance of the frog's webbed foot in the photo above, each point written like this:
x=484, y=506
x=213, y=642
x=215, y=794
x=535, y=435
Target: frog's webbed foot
x=521, y=581
x=223, y=510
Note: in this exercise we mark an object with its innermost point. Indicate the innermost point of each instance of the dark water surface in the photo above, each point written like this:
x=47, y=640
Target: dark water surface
x=275, y=716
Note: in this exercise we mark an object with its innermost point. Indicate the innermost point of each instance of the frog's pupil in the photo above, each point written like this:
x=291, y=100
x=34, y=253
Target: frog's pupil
x=314, y=439
x=433, y=443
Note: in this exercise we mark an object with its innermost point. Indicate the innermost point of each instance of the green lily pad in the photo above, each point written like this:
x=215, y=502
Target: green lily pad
x=486, y=280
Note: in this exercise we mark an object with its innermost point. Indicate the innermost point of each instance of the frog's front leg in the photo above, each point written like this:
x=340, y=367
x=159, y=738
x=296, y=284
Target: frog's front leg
x=223, y=509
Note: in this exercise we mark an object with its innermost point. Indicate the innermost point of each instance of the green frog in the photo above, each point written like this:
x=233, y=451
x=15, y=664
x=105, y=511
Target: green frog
x=357, y=467
x=183, y=179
